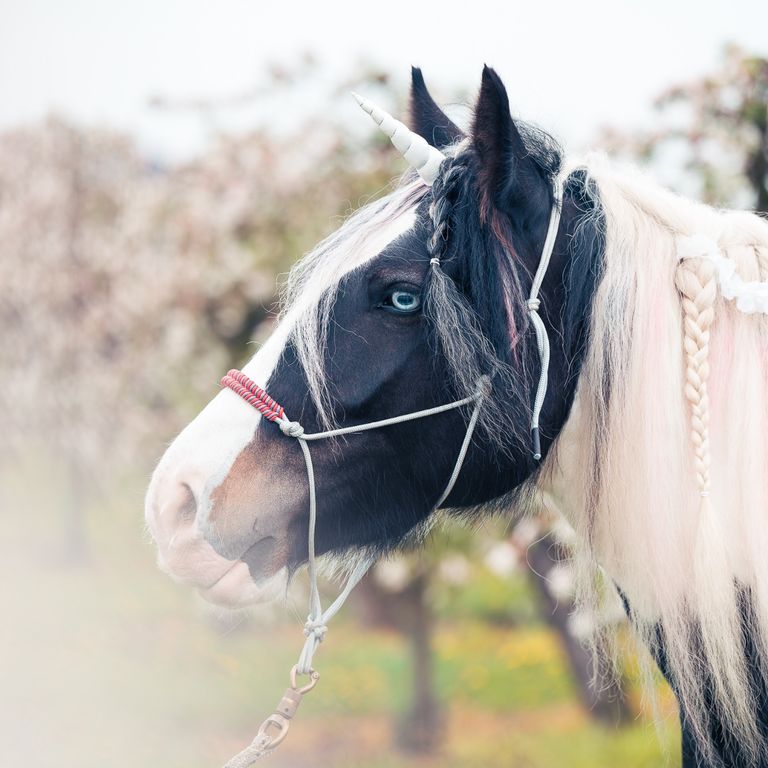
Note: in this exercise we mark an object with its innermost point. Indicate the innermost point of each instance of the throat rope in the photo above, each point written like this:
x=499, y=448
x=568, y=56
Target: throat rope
x=273, y=730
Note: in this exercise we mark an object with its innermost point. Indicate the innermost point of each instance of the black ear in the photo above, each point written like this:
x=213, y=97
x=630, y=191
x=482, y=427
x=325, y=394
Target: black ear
x=510, y=178
x=427, y=119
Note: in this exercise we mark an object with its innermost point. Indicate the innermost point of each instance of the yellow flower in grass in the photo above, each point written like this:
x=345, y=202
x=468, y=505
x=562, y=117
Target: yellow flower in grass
x=476, y=676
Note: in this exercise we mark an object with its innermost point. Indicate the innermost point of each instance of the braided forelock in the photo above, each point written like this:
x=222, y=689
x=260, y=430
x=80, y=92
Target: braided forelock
x=457, y=329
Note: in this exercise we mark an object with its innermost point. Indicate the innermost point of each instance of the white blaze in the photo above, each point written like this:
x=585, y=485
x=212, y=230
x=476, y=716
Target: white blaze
x=203, y=454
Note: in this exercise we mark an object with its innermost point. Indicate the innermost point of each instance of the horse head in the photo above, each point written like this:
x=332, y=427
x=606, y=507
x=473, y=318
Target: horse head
x=406, y=307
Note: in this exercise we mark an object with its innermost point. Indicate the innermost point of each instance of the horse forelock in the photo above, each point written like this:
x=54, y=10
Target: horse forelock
x=314, y=283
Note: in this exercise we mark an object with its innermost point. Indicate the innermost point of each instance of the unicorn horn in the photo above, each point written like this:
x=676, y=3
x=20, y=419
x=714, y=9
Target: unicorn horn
x=417, y=152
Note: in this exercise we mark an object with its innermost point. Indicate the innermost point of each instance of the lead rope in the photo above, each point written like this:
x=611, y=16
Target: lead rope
x=274, y=729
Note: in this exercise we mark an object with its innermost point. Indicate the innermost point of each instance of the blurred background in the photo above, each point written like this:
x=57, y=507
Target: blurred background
x=162, y=165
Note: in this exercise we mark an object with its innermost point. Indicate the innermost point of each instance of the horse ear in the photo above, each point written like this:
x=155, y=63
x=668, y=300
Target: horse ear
x=510, y=179
x=427, y=119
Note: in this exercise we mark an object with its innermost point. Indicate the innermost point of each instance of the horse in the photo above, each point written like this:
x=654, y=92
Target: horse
x=508, y=331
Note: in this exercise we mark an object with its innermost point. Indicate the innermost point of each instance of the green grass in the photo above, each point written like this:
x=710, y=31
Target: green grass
x=111, y=664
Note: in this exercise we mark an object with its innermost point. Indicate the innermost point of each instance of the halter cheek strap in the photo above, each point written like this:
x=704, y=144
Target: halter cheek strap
x=533, y=304
x=275, y=727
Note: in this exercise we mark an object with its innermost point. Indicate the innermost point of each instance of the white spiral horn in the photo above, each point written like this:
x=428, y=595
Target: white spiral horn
x=418, y=153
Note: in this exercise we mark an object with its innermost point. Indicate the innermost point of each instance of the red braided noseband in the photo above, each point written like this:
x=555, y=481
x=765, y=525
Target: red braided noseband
x=253, y=394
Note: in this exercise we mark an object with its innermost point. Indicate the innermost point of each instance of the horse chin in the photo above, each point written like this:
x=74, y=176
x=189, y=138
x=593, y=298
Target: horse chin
x=237, y=589
x=230, y=582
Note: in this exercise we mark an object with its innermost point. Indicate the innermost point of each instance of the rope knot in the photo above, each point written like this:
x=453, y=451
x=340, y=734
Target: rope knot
x=484, y=387
x=315, y=628
x=434, y=261
x=291, y=428
x=533, y=305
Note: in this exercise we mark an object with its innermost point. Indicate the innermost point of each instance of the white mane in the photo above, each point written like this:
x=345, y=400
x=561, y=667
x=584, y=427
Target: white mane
x=623, y=470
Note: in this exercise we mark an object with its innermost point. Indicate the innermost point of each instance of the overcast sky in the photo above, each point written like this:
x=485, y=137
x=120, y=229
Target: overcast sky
x=569, y=66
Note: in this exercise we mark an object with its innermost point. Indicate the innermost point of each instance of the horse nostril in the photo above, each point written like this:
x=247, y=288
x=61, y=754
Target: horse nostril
x=188, y=508
x=176, y=508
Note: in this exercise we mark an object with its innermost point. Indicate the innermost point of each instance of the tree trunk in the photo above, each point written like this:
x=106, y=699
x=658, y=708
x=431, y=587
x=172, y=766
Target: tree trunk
x=418, y=730
x=604, y=703
x=757, y=166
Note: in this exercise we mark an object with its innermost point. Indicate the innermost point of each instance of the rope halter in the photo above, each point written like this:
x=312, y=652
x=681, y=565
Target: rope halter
x=275, y=727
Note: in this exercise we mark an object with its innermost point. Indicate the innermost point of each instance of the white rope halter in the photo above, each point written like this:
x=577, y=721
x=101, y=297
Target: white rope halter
x=316, y=625
x=273, y=730
x=275, y=727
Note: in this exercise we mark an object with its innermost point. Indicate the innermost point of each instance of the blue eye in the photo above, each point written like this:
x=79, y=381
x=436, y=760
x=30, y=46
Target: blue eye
x=404, y=302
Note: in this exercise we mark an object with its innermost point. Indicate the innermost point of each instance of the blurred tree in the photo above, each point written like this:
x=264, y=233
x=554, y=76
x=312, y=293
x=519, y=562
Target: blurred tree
x=712, y=134
x=546, y=546
x=400, y=593
x=127, y=289
x=397, y=595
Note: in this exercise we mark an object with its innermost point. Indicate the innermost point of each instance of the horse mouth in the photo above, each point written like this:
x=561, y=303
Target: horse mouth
x=236, y=589
x=257, y=576
x=252, y=578
x=261, y=558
